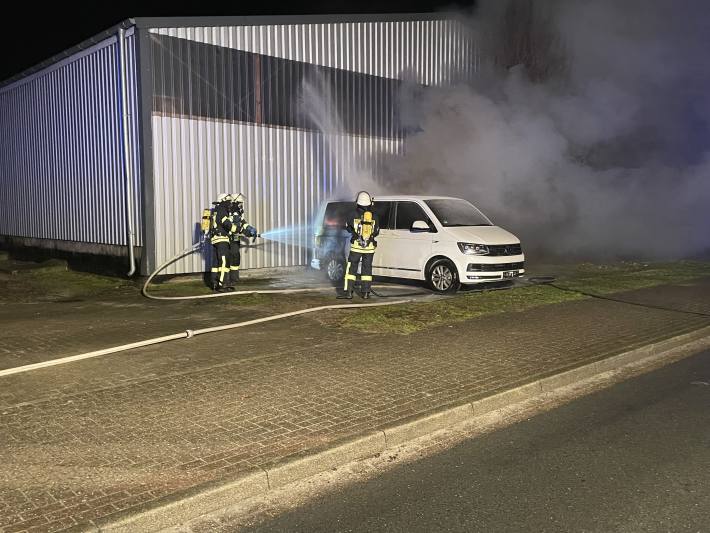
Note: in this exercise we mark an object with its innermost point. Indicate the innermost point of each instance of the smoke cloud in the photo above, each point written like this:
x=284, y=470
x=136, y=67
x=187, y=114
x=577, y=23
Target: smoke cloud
x=355, y=167
x=586, y=131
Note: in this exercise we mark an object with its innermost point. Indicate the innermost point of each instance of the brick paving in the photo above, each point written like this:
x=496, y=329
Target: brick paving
x=34, y=332
x=92, y=438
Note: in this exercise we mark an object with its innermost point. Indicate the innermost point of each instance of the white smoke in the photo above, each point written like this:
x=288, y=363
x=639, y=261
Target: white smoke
x=355, y=168
x=606, y=157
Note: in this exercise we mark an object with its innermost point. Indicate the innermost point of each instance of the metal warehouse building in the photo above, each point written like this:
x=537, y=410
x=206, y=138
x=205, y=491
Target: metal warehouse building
x=115, y=146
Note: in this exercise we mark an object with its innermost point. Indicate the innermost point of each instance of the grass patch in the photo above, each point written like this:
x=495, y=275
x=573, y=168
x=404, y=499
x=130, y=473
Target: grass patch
x=409, y=318
x=52, y=281
x=626, y=276
x=587, y=277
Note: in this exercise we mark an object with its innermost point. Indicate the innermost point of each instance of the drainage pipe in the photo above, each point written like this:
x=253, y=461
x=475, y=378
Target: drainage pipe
x=127, y=152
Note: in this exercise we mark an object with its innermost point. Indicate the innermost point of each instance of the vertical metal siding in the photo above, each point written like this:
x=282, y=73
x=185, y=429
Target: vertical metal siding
x=60, y=154
x=286, y=172
x=300, y=178
x=426, y=49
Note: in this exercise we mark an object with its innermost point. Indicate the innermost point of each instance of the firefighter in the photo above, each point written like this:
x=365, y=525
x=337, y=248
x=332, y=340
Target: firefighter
x=363, y=232
x=220, y=227
x=240, y=228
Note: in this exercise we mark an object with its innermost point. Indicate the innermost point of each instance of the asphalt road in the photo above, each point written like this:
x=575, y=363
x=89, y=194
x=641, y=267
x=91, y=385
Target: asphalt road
x=635, y=457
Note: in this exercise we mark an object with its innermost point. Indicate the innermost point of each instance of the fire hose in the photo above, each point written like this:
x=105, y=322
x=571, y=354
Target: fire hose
x=189, y=333
x=192, y=249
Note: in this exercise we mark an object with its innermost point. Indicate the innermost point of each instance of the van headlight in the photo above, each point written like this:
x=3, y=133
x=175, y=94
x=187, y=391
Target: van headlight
x=470, y=248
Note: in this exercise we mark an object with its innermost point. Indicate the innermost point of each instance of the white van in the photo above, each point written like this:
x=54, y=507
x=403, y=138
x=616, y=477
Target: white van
x=444, y=241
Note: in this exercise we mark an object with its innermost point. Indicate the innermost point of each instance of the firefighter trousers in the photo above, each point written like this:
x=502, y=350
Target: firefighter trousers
x=220, y=268
x=365, y=271
x=235, y=259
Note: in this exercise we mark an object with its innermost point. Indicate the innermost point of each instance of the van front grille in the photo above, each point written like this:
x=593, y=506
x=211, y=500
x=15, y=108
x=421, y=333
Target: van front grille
x=494, y=267
x=505, y=249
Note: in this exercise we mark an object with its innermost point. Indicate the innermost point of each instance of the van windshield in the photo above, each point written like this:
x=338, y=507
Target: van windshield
x=456, y=212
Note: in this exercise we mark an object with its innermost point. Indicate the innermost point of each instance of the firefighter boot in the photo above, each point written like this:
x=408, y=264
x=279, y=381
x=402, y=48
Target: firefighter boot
x=345, y=295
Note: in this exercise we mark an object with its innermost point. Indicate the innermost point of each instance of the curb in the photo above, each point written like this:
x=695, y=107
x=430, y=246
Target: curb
x=184, y=506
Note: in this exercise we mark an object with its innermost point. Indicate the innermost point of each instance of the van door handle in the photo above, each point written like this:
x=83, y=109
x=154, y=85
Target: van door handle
x=434, y=242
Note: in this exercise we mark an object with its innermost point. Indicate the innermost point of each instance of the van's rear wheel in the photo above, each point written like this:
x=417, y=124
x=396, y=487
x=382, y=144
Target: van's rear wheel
x=335, y=269
x=442, y=277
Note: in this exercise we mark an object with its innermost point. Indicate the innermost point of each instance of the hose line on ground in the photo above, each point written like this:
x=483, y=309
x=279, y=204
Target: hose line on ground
x=192, y=249
x=189, y=333
x=550, y=280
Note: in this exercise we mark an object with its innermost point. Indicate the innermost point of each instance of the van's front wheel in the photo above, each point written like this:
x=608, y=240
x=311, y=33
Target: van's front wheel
x=442, y=277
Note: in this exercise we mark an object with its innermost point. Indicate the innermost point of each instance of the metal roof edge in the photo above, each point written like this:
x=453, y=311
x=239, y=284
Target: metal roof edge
x=260, y=20
x=201, y=21
x=83, y=45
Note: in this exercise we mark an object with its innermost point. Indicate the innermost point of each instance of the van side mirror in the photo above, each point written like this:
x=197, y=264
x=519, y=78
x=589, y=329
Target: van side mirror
x=419, y=226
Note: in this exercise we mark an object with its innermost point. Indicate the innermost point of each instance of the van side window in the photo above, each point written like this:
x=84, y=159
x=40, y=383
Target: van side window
x=382, y=211
x=408, y=213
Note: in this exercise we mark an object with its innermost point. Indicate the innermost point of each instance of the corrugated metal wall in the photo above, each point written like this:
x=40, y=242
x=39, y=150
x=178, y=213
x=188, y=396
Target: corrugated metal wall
x=228, y=121
x=284, y=173
x=431, y=51
x=61, y=175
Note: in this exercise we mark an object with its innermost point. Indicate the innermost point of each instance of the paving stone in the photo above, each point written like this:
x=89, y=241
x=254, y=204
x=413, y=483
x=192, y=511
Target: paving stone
x=85, y=440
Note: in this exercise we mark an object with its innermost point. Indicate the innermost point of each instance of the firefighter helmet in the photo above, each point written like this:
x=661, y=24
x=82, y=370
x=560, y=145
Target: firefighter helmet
x=224, y=197
x=363, y=199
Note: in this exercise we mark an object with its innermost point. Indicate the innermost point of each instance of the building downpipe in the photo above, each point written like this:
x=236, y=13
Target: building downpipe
x=127, y=160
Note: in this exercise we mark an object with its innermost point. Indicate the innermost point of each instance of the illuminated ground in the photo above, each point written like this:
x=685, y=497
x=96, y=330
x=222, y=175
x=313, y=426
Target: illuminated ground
x=91, y=438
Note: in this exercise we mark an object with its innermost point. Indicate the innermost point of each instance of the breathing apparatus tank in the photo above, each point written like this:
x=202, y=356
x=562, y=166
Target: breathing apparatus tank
x=206, y=221
x=366, y=225
x=365, y=229
x=208, y=215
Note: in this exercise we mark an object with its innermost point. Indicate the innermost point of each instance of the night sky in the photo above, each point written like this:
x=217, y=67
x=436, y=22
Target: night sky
x=33, y=33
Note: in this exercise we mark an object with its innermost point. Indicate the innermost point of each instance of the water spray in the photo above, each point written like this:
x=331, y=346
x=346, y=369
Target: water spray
x=297, y=235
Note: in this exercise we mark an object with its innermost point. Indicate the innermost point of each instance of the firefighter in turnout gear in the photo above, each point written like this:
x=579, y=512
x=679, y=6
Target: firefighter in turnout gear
x=240, y=229
x=363, y=232
x=220, y=227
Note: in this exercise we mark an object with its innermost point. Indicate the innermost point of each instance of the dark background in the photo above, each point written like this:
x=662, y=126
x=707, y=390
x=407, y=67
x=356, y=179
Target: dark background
x=35, y=32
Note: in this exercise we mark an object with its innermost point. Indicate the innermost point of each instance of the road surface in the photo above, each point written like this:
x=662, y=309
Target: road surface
x=634, y=457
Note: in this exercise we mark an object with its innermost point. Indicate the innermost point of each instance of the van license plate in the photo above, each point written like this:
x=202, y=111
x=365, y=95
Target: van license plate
x=510, y=274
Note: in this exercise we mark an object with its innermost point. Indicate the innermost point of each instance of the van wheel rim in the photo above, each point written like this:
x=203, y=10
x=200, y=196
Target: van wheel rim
x=335, y=270
x=442, y=278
